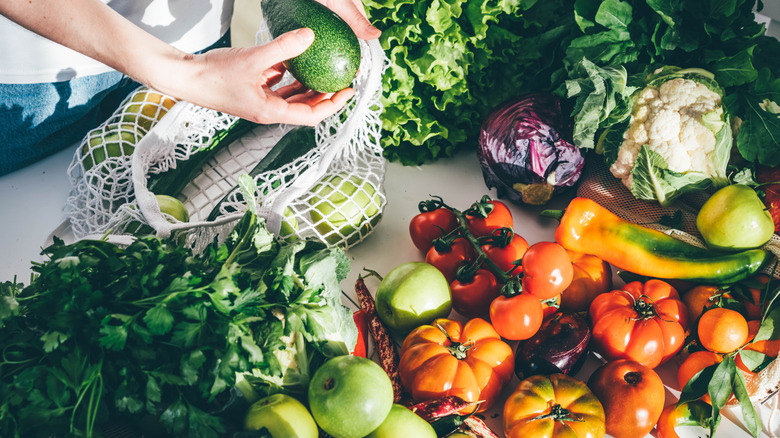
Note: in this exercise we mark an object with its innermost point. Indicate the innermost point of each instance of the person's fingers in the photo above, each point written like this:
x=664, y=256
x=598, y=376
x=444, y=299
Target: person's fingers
x=289, y=90
x=303, y=113
x=352, y=12
x=287, y=45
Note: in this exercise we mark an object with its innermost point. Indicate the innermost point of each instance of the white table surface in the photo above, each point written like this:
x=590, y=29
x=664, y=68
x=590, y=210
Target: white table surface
x=32, y=201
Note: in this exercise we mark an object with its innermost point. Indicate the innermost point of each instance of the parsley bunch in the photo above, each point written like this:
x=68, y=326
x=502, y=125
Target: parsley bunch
x=106, y=334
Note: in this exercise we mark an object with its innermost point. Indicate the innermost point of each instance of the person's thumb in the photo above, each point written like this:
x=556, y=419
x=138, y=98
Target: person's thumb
x=288, y=45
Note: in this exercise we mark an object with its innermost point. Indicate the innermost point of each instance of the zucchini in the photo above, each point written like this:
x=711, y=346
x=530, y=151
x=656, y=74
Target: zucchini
x=173, y=181
x=293, y=145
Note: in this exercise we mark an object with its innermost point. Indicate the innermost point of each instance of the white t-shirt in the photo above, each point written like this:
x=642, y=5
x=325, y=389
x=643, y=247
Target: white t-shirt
x=189, y=25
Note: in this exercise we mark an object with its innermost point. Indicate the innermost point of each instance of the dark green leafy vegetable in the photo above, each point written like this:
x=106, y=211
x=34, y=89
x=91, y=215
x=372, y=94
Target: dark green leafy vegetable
x=621, y=42
x=106, y=334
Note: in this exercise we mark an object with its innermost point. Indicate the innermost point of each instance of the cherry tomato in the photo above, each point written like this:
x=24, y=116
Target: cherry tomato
x=547, y=270
x=448, y=260
x=472, y=298
x=632, y=395
x=518, y=317
x=429, y=225
x=499, y=216
x=504, y=257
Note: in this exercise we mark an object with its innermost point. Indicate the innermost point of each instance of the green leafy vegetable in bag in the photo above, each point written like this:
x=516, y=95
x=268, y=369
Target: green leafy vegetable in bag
x=106, y=334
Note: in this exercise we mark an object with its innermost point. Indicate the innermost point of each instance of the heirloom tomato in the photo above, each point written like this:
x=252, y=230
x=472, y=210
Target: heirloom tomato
x=632, y=395
x=504, y=252
x=644, y=322
x=430, y=225
x=447, y=258
x=487, y=216
x=517, y=317
x=547, y=270
x=471, y=298
x=592, y=276
x=554, y=406
x=468, y=360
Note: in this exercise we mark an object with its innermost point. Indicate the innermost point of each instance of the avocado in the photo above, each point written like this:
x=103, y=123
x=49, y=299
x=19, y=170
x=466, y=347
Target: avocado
x=331, y=62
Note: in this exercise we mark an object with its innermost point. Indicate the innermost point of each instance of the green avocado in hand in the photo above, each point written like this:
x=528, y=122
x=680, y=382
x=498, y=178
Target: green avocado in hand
x=331, y=62
x=734, y=218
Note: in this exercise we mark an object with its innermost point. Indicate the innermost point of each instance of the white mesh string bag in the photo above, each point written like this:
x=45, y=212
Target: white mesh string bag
x=333, y=193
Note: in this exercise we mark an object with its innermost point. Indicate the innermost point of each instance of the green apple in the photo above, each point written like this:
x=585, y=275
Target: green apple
x=412, y=294
x=282, y=416
x=402, y=422
x=173, y=207
x=349, y=396
x=111, y=141
x=343, y=205
x=735, y=218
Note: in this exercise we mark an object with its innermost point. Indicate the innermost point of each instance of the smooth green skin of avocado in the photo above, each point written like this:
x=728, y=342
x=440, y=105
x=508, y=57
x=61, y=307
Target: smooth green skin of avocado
x=331, y=62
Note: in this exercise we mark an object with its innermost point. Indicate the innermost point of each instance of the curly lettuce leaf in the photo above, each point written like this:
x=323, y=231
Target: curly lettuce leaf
x=451, y=61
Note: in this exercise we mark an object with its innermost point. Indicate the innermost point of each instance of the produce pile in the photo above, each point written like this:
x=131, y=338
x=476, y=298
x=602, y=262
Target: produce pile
x=250, y=338
x=554, y=303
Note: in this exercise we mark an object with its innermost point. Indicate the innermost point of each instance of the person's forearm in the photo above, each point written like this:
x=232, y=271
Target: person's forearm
x=94, y=29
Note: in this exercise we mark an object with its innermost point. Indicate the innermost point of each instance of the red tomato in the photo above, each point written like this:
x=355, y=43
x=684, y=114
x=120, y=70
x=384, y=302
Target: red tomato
x=504, y=257
x=632, y=395
x=428, y=225
x=472, y=298
x=518, y=317
x=592, y=276
x=547, y=270
x=497, y=217
x=551, y=306
x=644, y=322
x=460, y=252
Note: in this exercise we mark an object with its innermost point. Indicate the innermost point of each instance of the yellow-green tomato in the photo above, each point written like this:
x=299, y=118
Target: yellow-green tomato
x=343, y=205
x=282, y=416
x=401, y=422
x=735, y=218
x=412, y=294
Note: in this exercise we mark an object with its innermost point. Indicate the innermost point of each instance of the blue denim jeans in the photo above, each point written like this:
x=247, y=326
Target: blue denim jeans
x=37, y=120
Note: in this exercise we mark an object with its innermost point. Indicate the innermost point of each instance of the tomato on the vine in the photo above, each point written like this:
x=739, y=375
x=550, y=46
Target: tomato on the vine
x=547, y=270
x=644, y=322
x=430, y=225
x=487, y=216
x=517, y=317
x=504, y=256
x=472, y=297
x=447, y=258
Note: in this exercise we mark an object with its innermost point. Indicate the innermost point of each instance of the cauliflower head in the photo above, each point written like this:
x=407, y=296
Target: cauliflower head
x=677, y=138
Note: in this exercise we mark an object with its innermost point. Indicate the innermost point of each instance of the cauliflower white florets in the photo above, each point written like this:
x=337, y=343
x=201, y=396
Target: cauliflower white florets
x=674, y=120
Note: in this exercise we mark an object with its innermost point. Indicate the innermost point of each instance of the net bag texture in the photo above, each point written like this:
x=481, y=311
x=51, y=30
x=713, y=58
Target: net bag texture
x=333, y=193
x=599, y=184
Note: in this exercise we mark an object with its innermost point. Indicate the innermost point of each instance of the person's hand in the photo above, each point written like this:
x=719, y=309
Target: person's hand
x=353, y=13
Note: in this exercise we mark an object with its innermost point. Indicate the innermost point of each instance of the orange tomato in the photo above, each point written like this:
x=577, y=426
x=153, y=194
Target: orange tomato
x=553, y=406
x=470, y=361
x=592, y=276
x=699, y=298
x=722, y=330
x=644, y=322
x=694, y=363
